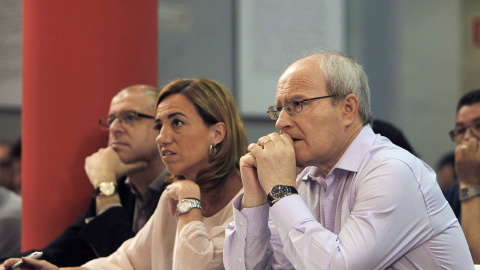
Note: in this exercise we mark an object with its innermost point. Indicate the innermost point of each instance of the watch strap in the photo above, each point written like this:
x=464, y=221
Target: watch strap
x=468, y=192
x=278, y=192
x=185, y=205
x=98, y=190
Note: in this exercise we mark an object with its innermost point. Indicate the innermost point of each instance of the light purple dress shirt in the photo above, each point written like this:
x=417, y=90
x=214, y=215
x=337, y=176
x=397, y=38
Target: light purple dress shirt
x=380, y=207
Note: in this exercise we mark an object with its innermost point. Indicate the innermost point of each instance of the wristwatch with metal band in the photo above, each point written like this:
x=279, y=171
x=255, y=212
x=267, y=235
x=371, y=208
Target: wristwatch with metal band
x=185, y=205
x=280, y=191
x=105, y=189
x=468, y=193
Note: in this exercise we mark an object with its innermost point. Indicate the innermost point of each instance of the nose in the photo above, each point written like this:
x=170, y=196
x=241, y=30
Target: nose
x=116, y=125
x=284, y=120
x=163, y=137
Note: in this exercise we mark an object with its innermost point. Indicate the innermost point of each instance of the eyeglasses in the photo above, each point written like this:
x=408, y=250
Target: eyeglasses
x=292, y=106
x=127, y=117
x=457, y=134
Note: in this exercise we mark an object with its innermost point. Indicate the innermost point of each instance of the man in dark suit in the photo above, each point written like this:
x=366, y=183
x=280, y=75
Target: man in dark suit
x=127, y=177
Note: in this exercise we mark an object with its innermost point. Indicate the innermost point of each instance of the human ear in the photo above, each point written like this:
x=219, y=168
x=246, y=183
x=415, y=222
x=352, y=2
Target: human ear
x=218, y=132
x=349, y=109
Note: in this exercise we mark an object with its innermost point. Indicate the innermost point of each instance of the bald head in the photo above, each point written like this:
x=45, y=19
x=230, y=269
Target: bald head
x=304, y=73
x=342, y=76
x=150, y=92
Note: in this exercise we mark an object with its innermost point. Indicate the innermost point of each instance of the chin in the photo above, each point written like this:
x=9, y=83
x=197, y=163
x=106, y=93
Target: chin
x=126, y=158
x=171, y=169
x=300, y=152
x=299, y=161
x=302, y=161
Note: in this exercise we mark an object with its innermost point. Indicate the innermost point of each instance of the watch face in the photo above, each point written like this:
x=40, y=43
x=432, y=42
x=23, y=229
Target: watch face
x=183, y=206
x=279, y=191
x=107, y=188
x=469, y=192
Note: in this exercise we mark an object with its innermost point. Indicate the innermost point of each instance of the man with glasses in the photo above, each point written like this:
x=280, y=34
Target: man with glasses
x=127, y=177
x=464, y=196
x=360, y=203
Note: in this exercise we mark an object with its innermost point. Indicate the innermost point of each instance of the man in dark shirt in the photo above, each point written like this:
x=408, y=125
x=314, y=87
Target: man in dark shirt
x=464, y=196
x=127, y=177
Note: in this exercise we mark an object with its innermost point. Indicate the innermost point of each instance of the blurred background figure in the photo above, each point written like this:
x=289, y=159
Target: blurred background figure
x=10, y=202
x=4, y=150
x=464, y=195
x=10, y=222
x=16, y=159
x=394, y=134
x=6, y=172
x=446, y=175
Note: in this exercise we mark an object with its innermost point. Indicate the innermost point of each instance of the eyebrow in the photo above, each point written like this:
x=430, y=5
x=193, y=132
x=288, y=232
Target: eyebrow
x=170, y=116
x=475, y=120
x=122, y=112
x=300, y=97
x=175, y=114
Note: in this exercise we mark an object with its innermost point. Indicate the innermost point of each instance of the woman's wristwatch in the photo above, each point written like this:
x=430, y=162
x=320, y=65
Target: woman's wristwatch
x=185, y=205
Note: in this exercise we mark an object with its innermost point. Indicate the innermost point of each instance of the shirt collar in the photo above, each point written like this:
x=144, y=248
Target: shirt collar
x=351, y=159
x=355, y=153
x=155, y=186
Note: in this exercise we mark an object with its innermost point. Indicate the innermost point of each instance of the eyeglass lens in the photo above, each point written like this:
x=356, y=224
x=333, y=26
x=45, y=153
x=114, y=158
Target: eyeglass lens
x=291, y=106
x=127, y=117
x=458, y=133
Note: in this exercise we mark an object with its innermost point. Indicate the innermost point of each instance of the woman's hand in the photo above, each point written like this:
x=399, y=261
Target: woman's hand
x=179, y=190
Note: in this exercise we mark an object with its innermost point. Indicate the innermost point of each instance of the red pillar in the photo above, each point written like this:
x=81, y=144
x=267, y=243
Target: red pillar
x=76, y=55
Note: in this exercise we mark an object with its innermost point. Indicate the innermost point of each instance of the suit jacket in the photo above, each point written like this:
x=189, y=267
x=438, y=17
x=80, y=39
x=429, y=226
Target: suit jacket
x=82, y=242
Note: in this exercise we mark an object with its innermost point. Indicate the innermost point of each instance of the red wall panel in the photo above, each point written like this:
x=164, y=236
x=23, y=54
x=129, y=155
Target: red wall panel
x=76, y=55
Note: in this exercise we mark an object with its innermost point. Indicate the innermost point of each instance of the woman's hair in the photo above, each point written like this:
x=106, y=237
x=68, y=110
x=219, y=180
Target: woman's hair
x=214, y=104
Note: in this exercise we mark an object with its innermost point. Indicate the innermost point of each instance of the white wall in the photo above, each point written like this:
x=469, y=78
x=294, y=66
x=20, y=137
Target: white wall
x=10, y=69
x=412, y=52
x=431, y=81
x=10, y=53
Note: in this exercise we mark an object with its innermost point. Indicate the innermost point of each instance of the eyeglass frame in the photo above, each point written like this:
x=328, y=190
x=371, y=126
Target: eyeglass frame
x=274, y=109
x=119, y=117
x=472, y=128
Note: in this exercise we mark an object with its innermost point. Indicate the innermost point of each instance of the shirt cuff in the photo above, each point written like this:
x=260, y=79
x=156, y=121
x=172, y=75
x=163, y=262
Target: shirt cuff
x=290, y=211
x=256, y=218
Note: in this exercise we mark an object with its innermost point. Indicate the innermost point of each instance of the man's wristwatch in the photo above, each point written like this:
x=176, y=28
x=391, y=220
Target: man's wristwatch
x=105, y=189
x=280, y=191
x=468, y=193
x=185, y=205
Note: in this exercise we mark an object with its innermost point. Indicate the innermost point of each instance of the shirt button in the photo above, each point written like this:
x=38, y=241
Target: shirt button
x=240, y=223
x=330, y=197
x=240, y=260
